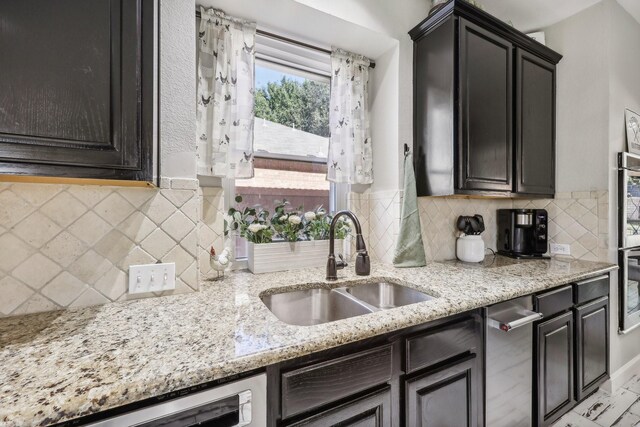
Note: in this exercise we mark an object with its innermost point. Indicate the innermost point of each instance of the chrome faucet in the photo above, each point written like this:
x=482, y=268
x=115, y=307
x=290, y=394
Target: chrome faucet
x=363, y=264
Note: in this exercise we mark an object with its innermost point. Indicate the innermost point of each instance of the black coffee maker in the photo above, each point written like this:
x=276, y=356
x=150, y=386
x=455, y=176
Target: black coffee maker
x=522, y=233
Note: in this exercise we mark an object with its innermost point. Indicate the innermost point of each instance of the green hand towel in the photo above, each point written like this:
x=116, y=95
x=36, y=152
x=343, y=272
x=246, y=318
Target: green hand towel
x=409, y=248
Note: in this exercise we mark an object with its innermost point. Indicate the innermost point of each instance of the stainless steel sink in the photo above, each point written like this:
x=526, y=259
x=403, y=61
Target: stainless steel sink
x=319, y=305
x=313, y=306
x=385, y=295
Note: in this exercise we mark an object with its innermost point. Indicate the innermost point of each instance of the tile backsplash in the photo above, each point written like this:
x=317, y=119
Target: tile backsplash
x=71, y=245
x=579, y=219
x=438, y=216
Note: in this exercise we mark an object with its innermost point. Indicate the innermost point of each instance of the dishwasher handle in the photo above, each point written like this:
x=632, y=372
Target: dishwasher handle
x=525, y=317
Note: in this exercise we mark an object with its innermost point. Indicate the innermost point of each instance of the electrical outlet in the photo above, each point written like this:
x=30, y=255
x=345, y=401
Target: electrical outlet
x=559, y=249
x=152, y=278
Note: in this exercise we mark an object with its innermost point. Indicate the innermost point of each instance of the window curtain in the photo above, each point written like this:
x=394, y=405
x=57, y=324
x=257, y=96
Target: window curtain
x=350, y=156
x=226, y=60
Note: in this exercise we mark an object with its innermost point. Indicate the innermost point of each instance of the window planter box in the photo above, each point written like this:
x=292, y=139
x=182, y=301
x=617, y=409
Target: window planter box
x=281, y=256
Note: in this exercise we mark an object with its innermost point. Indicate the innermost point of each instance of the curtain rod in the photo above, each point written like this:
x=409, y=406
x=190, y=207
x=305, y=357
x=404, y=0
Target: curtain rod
x=292, y=41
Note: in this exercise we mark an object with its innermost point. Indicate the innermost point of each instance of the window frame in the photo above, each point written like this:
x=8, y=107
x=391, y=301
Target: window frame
x=286, y=57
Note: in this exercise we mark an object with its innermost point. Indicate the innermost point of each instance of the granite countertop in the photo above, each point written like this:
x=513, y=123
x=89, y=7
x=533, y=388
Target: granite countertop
x=62, y=365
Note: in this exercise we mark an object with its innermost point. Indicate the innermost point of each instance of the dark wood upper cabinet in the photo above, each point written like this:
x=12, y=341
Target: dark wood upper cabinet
x=535, y=124
x=484, y=106
x=76, y=93
x=485, y=119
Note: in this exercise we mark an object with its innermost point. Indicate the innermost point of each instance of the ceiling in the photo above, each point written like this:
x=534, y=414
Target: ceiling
x=307, y=24
x=532, y=15
x=631, y=6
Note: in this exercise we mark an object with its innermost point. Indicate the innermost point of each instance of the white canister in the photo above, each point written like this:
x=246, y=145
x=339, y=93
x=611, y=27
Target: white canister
x=470, y=248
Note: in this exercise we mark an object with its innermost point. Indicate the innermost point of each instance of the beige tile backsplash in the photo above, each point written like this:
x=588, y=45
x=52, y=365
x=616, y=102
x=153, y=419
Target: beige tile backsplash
x=71, y=245
x=578, y=219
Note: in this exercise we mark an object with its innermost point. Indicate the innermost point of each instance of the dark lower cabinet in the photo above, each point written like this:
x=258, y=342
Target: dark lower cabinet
x=444, y=398
x=76, y=93
x=571, y=357
x=554, y=368
x=373, y=410
x=592, y=350
x=427, y=375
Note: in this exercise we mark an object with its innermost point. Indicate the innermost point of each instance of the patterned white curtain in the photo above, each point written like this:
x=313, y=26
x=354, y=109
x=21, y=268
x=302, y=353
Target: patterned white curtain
x=225, y=95
x=350, y=155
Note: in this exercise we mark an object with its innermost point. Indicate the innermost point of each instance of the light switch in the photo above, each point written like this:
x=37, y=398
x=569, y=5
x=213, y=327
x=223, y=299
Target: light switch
x=152, y=278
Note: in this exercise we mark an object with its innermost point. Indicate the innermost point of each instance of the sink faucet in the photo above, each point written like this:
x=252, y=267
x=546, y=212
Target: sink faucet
x=363, y=264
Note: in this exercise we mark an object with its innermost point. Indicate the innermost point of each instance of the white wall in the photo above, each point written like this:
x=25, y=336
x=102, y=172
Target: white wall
x=582, y=106
x=177, y=89
x=384, y=102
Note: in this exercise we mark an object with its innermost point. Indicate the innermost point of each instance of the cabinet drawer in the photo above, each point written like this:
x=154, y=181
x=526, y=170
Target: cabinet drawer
x=315, y=385
x=440, y=344
x=590, y=289
x=371, y=410
x=554, y=302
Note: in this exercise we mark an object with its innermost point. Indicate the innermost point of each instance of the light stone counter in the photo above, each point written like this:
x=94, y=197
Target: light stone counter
x=62, y=365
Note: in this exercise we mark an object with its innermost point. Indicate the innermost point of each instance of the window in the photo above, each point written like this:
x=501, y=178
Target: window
x=291, y=131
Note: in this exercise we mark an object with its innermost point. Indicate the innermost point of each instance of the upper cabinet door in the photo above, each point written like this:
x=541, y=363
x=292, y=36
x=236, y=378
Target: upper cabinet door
x=76, y=93
x=486, y=103
x=535, y=124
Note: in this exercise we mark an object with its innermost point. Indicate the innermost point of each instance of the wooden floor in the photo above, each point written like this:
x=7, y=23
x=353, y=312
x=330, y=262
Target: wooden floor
x=622, y=409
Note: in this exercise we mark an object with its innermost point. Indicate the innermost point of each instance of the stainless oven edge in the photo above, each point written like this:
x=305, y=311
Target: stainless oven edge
x=627, y=322
x=257, y=404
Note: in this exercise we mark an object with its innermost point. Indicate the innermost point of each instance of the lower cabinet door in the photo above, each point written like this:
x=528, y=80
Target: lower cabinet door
x=554, y=369
x=373, y=410
x=592, y=345
x=444, y=398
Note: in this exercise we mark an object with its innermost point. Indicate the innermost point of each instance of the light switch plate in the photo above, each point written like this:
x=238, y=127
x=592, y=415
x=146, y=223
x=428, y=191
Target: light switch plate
x=559, y=249
x=152, y=278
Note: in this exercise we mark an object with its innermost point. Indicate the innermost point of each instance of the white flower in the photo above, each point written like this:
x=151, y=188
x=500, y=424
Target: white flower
x=283, y=218
x=309, y=216
x=295, y=219
x=254, y=228
x=321, y=213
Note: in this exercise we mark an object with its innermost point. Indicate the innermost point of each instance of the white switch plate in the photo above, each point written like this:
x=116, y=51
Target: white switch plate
x=559, y=249
x=152, y=278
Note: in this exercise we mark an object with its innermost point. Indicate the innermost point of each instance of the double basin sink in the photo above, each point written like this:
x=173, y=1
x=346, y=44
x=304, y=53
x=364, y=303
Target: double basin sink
x=320, y=305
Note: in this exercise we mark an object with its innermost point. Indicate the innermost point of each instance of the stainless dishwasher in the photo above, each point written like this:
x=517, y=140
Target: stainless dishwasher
x=235, y=404
x=509, y=367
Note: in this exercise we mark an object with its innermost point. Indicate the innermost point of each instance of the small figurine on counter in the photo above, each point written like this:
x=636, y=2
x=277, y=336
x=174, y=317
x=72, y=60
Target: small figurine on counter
x=220, y=263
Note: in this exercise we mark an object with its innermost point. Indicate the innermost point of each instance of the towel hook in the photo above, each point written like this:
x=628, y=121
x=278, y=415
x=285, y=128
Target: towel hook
x=406, y=149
